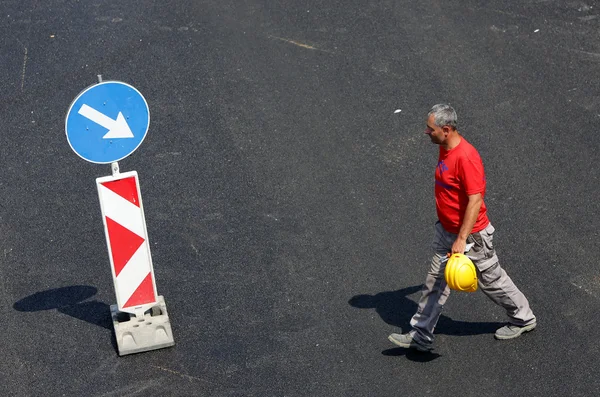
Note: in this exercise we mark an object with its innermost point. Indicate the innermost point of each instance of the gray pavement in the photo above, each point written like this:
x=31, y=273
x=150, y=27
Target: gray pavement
x=289, y=208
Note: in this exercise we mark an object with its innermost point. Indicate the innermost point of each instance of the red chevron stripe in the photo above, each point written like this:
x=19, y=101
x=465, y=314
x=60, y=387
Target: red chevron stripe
x=123, y=244
x=143, y=294
x=125, y=188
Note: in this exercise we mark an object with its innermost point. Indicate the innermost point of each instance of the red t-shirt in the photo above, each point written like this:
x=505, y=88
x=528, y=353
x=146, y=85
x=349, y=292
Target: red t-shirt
x=459, y=173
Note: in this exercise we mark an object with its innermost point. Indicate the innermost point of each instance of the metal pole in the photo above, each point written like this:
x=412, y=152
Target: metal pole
x=115, y=165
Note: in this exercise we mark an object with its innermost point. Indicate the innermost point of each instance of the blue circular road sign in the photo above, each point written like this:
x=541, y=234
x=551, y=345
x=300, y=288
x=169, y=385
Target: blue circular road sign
x=107, y=122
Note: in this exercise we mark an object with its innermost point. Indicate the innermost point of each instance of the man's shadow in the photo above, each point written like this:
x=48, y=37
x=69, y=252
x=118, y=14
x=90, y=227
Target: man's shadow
x=396, y=309
x=69, y=301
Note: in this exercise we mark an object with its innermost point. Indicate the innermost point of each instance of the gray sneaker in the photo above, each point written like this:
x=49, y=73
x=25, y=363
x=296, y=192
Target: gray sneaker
x=511, y=331
x=407, y=341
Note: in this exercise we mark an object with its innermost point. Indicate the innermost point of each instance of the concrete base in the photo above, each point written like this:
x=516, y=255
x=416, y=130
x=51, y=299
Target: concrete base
x=140, y=334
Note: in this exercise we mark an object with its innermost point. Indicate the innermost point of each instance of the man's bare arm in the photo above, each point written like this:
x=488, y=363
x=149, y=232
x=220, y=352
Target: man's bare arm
x=471, y=213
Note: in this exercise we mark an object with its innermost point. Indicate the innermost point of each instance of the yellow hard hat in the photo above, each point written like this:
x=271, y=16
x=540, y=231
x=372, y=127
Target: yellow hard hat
x=460, y=273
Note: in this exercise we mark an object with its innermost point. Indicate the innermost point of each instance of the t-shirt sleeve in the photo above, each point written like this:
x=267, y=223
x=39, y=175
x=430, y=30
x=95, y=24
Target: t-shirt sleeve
x=472, y=175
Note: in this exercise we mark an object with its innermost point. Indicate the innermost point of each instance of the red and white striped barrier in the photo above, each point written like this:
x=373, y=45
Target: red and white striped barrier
x=127, y=241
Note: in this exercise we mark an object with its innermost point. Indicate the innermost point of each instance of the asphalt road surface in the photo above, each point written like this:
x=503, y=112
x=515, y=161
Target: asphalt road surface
x=289, y=203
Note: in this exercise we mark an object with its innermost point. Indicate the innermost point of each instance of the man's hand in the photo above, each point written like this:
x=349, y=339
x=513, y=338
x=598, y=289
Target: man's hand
x=459, y=246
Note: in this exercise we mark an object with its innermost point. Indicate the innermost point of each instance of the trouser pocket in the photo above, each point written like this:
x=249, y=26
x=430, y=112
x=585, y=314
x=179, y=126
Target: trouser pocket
x=483, y=244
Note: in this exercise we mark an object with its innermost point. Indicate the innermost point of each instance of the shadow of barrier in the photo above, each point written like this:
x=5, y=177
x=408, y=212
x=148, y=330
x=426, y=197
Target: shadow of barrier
x=70, y=301
x=144, y=331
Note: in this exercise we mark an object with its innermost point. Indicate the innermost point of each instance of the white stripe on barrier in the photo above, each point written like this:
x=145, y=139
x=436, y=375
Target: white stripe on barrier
x=133, y=273
x=120, y=210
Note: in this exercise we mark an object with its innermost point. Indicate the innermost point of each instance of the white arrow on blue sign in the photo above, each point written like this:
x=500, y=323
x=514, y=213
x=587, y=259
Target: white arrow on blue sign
x=107, y=122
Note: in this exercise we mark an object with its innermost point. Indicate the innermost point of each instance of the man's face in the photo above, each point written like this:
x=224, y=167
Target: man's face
x=437, y=134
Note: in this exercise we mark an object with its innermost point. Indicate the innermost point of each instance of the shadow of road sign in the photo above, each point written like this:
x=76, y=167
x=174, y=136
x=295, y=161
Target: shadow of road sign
x=69, y=300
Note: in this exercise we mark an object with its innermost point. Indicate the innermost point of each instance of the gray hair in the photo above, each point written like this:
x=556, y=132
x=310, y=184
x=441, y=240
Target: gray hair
x=444, y=114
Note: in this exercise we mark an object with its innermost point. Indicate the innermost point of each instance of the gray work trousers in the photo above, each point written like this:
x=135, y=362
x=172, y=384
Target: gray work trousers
x=492, y=279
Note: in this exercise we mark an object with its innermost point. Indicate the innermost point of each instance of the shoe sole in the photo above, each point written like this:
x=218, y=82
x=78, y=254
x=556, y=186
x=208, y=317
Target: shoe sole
x=522, y=330
x=413, y=345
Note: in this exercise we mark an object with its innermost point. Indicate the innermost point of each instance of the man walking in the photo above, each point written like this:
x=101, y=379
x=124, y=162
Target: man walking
x=462, y=219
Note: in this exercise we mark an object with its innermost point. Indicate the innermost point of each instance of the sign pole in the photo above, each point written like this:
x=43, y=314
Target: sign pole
x=115, y=165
